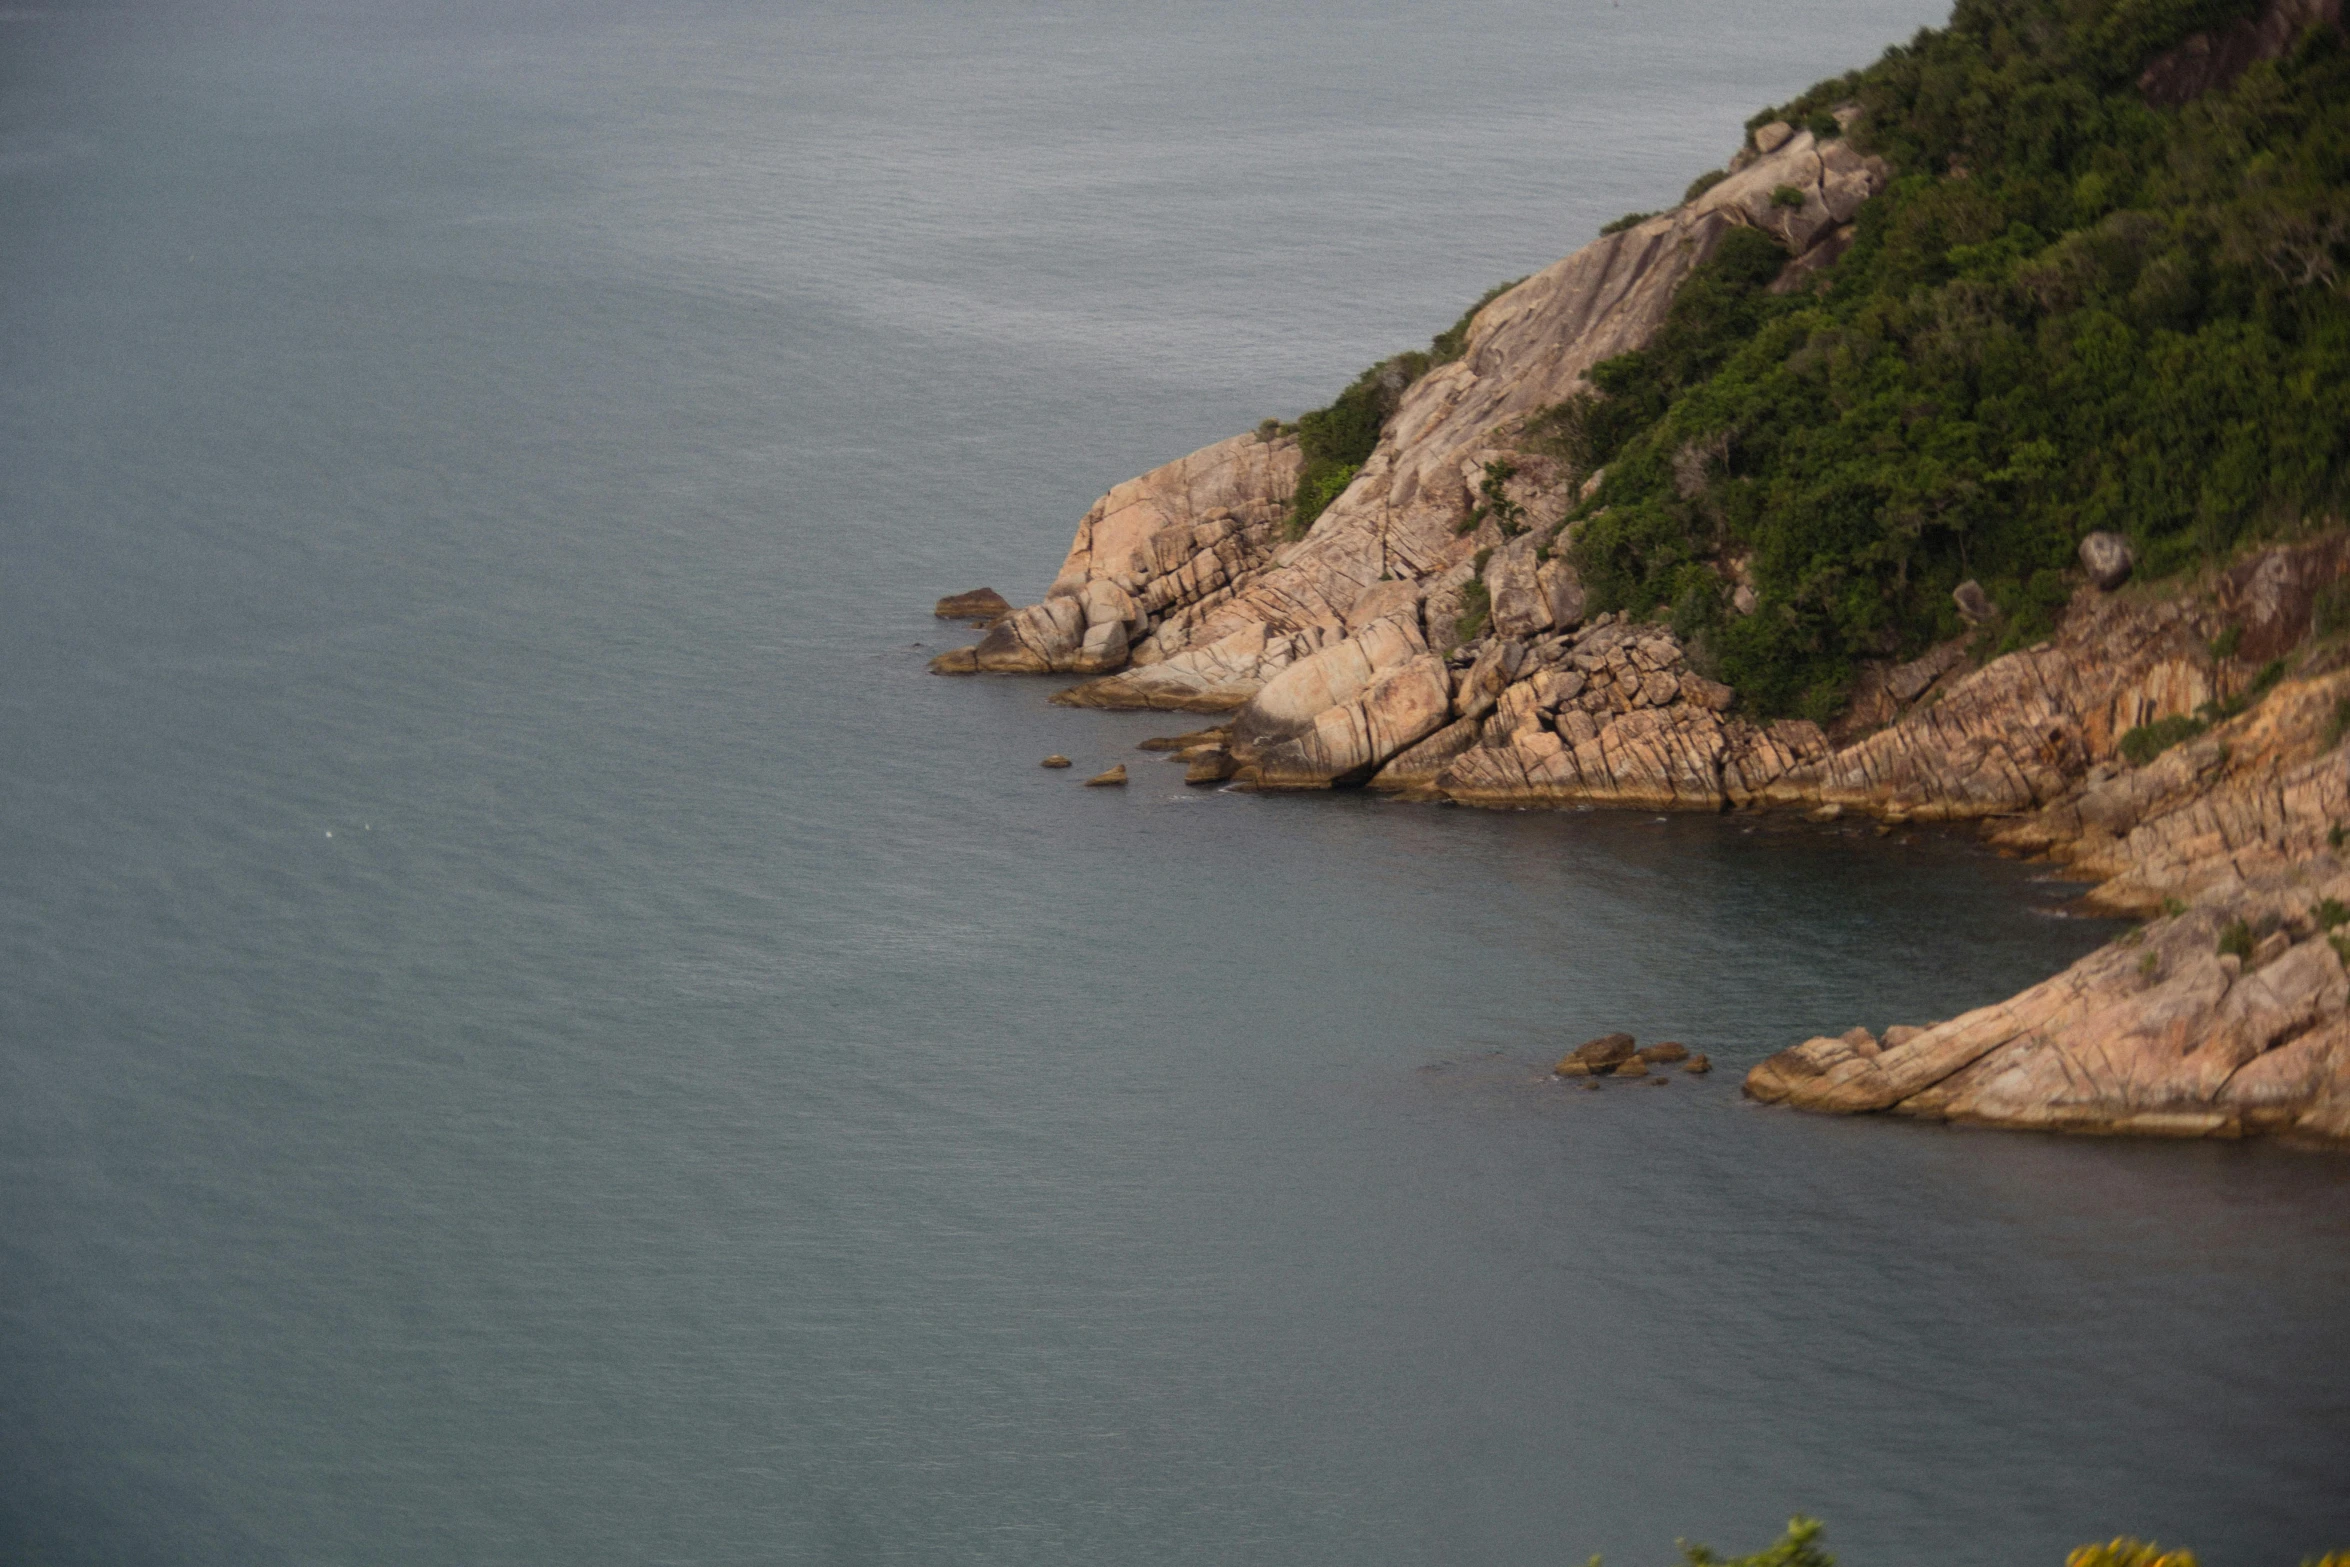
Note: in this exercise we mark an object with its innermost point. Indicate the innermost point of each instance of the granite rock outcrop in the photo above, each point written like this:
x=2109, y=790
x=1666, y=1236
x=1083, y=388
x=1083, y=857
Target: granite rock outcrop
x=1429, y=636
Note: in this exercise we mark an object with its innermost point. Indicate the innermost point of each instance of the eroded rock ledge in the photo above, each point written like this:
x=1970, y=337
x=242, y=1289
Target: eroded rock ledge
x=1342, y=659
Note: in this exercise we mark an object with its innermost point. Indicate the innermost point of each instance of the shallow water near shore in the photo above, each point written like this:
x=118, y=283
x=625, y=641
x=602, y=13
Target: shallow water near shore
x=531, y=1031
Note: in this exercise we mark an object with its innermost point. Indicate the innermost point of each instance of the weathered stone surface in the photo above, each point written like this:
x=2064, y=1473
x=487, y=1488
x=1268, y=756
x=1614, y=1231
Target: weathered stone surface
x=982, y=604
x=1347, y=742
x=1527, y=349
x=1152, y=554
x=1209, y=765
x=2270, y=597
x=1974, y=605
x=1184, y=742
x=2107, y=558
x=1055, y=760
x=1632, y=1068
x=1597, y=1056
x=1034, y=641
x=2161, y=1033
x=2023, y=730
x=1114, y=778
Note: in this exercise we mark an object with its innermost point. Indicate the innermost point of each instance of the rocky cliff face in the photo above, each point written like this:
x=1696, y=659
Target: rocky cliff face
x=1363, y=655
x=2224, y=1016
x=1207, y=635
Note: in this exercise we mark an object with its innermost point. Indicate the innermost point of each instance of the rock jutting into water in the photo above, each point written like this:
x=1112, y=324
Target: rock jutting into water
x=1412, y=643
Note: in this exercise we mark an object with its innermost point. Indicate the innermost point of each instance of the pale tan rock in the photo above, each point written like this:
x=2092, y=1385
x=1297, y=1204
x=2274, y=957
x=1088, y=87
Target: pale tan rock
x=1348, y=742
x=1055, y=760
x=1527, y=349
x=1658, y=758
x=1114, y=778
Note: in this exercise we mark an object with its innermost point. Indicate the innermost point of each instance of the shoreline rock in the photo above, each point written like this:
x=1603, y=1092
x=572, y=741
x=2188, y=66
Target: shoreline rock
x=1340, y=658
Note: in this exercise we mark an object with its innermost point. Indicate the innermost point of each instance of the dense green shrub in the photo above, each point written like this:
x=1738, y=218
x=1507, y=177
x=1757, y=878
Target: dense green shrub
x=1798, y=1547
x=1476, y=611
x=1629, y=220
x=2148, y=741
x=2236, y=940
x=2069, y=311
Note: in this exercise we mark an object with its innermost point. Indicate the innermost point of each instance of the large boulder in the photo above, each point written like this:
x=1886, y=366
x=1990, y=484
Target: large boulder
x=1336, y=716
x=2107, y=558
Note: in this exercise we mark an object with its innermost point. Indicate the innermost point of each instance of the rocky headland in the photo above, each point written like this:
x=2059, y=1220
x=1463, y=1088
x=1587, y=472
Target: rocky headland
x=2180, y=743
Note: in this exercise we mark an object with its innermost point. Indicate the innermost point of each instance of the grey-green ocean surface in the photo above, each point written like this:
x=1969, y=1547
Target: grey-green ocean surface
x=532, y=1032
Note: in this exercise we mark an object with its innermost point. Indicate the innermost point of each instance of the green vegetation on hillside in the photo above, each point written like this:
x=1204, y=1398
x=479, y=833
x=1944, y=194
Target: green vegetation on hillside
x=2070, y=311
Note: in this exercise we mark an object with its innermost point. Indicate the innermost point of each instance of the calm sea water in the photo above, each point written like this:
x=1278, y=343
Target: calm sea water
x=532, y=1032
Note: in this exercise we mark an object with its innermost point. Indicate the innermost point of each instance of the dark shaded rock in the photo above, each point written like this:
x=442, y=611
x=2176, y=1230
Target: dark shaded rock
x=981, y=604
x=1665, y=1050
x=1212, y=765
x=2273, y=594
x=1698, y=1064
x=2108, y=559
x=1597, y=1057
x=1974, y=605
x=1185, y=742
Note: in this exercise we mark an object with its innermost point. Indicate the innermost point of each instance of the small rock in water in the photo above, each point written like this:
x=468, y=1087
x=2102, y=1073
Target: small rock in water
x=1594, y=1057
x=1632, y=1068
x=1698, y=1063
x=1184, y=742
x=1665, y=1050
x=1111, y=779
x=1054, y=760
x=978, y=604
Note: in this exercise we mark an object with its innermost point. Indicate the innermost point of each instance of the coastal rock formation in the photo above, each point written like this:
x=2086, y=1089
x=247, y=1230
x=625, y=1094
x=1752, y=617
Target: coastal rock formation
x=2223, y=1017
x=1210, y=610
x=1430, y=636
x=1156, y=552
